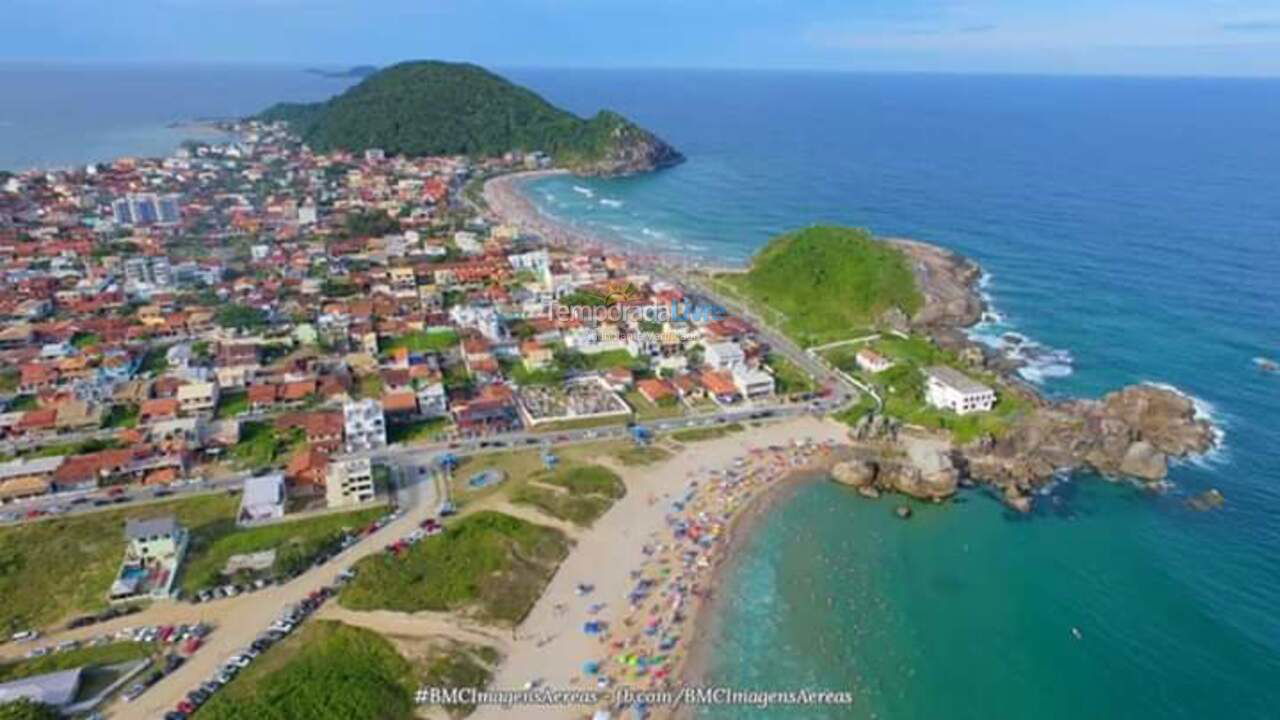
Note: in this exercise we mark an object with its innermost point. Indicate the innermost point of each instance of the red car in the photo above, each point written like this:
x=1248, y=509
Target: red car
x=192, y=645
x=186, y=707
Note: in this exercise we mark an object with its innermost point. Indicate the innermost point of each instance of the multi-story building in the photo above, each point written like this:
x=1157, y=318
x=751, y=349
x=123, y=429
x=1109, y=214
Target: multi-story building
x=349, y=482
x=363, y=425
x=949, y=389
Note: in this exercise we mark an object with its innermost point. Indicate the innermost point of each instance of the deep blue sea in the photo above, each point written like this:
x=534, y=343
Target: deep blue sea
x=1130, y=226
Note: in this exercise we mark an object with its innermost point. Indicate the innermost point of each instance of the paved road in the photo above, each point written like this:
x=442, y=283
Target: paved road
x=79, y=502
x=241, y=619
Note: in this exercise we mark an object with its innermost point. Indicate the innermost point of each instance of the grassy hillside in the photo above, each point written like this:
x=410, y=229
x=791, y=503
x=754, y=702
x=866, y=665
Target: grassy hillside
x=327, y=670
x=493, y=564
x=439, y=108
x=825, y=283
x=54, y=568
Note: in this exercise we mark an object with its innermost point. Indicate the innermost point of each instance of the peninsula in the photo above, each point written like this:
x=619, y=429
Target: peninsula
x=426, y=108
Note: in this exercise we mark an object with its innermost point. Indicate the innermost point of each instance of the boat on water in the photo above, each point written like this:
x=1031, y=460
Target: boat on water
x=1266, y=364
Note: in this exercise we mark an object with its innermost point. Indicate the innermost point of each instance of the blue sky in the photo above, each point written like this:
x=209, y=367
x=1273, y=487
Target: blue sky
x=1181, y=37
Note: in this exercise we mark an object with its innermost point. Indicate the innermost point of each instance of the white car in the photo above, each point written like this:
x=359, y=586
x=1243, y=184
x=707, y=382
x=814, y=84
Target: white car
x=25, y=636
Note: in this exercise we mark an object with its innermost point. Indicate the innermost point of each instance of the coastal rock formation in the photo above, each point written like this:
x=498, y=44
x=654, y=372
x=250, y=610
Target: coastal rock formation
x=947, y=281
x=430, y=107
x=934, y=478
x=1132, y=432
x=630, y=150
x=855, y=473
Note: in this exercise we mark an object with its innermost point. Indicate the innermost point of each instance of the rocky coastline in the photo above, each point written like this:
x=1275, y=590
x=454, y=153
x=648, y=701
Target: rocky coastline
x=1134, y=432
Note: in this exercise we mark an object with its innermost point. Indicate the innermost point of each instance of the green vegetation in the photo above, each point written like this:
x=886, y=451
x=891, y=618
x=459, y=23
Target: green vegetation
x=416, y=431
x=262, y=445
x=23, y=403
x=154, y=362
x=83, y=340
x=463, y=666
x=712, y=432
x=325, y=671
x=72, y=448
x=902, y=387
x=642, y=455
x=54, y=568
x=369, y=385
x=421, y=341
x=109, y=654
x=787, y=377
x=241, y=317
x=371, y=223
x=121, y=416
x=667, y=407
x=579, y=494
x=297, y=543
x=438, y=108
x=28, y=710
x=493, y=564
x=827, y=282
x=232, y=403
x=10, y=378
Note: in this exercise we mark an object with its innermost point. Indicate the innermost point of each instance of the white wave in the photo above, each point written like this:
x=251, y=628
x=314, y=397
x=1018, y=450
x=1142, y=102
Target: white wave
x=586, y=192
x=994, y=330
x=610, y=202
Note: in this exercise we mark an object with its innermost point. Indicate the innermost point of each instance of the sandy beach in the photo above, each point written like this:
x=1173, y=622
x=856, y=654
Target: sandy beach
x=622, y=609
x=508, y=204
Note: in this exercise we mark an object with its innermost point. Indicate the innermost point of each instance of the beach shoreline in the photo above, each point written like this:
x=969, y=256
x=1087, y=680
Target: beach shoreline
x=510, y=203
x=696, y=669
x=650, y=564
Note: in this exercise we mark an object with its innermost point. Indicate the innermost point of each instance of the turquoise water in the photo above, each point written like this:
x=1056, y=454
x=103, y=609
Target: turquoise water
x=1131, y=228
x=1131, y=225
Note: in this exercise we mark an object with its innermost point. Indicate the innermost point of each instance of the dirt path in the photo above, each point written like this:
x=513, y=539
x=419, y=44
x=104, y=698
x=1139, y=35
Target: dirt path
x=420, y=625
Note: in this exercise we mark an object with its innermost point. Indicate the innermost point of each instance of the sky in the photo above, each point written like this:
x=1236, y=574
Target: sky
x=1136, y=37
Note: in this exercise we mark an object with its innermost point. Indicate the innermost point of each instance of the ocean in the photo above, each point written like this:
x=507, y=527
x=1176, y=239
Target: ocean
x=1131, y=231
x=57, y=116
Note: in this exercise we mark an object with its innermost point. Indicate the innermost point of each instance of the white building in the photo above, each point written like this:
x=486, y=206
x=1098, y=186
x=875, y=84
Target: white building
x=433, y=401
x=263, y=499
x=872, y=361
x=364, y=427
x=349, y=482
x=752, y=383
x=950, y=389
x=482, y=318
x=724, y=356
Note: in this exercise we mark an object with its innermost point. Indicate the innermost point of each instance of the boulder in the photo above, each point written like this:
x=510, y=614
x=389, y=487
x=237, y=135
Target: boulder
x=1143, y=461
x=1210, y=499
x=855, y=473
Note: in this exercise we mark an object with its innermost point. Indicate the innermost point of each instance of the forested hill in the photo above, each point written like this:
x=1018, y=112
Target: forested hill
x=440, y=108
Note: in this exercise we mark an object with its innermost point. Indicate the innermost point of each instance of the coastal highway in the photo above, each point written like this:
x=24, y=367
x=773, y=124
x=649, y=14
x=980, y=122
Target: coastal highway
x=87, y=501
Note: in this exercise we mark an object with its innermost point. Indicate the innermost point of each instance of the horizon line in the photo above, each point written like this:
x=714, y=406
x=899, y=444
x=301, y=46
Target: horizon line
x=342, y=65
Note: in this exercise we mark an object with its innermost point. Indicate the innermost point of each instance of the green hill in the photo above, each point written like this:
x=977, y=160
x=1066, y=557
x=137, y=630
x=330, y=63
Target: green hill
x=439, y=108
x=828, y=282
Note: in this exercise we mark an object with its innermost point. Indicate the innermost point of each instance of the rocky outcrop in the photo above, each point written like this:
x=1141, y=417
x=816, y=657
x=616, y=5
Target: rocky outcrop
x=947, y=281
x=630, y=150
x=932, y=479
x=1132, y=432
